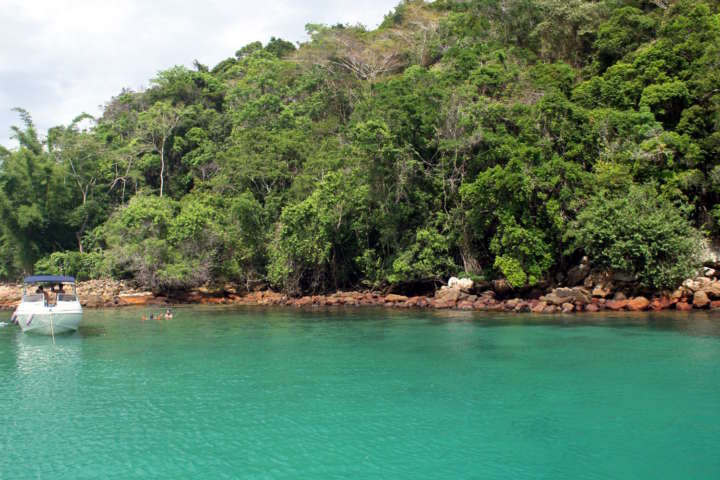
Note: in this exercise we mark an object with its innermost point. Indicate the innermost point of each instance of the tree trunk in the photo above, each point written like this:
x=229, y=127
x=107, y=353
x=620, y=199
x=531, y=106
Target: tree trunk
x=162, y=168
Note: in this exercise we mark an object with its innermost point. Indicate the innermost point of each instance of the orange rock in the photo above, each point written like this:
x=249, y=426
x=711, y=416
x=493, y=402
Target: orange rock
x=522, y=307
x=700, y=300
x=568, y=308
x=303, y=302
x=412, y=302
x=392, y=298
x=638, y=304
x=465, y=305
x=592, y=308
x=442, y=304
x=715, y=304
x=134, y=298
x=683, y=306
x=661, y=303
x=617, y=305
x=539, y=308
x=479, y=305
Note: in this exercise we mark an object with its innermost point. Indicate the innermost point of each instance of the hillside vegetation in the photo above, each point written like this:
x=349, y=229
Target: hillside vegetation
x=486, y=138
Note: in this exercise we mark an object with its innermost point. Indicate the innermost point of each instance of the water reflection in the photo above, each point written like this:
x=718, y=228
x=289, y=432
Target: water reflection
x=37, y=353
x=695, y=323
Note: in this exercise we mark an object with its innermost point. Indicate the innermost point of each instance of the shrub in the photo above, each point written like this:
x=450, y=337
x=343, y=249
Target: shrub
x=426, y=259
x=641, y=234
x=82, y=266
x=523, y=255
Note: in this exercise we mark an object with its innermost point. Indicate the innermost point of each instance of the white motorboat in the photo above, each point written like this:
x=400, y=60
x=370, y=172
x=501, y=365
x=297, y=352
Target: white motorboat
x=46, y=308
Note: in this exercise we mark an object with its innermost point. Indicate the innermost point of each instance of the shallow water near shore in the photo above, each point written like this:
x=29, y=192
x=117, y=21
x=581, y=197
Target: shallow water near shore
x=363, y=393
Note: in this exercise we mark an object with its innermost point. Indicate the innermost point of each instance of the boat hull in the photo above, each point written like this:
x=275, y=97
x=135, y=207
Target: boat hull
x=49, y=323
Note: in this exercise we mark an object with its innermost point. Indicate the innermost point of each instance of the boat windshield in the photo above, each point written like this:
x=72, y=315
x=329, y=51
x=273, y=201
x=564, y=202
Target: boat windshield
x=49, y=294
x=66, y=297
x=33, y=297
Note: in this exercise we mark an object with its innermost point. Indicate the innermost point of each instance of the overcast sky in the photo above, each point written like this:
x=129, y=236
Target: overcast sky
x=59, y=58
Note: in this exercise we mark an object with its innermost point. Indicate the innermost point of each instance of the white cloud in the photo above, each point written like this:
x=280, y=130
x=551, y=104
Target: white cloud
x=59, y=58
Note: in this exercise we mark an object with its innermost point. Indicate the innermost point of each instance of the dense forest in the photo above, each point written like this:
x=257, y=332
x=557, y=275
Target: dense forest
x=482, y=138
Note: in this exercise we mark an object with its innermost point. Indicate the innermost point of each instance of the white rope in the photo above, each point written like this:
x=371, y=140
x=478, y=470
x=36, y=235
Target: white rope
x=52, y=330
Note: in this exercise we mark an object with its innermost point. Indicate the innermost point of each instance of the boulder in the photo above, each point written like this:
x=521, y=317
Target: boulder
x=568, y=308
x=577, y=295
x=441, y=303
x=412, y=302
x=466, y=305
x=448, y=294
x=592, y=308
x=715, y=304
x=700, y=299
x=392, y=298
x=539, y=308
x=303, y=302
x=695, y=284
x=683, y=306
x=638, y=304
x=511, y=304
x=616, y=305
x=619, y=296
x=461, y=283
x=712, y=289
x=661, y=303
x=522, y=307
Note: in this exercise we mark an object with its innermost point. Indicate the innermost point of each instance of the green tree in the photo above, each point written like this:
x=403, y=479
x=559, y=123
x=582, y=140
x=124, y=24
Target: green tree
x=157, y=125
x=639, y=233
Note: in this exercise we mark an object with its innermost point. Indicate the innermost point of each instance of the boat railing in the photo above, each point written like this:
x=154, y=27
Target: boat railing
x=66, y=297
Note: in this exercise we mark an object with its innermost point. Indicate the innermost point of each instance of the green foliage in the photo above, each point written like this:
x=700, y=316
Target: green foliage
x=82, y=266
x=317, y=240
x=627, y=29
x=522, y=254
x=639, y=233
x=479, y=136
x=428, y=258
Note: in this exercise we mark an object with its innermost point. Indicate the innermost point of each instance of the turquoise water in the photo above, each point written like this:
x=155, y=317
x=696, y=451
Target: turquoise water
x=276, y=394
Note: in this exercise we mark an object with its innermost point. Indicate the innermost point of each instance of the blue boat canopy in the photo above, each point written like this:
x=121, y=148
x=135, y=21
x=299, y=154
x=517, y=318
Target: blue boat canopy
x=49, y=279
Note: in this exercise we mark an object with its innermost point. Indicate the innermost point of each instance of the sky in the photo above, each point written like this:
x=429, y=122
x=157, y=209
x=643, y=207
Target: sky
x=60, y=58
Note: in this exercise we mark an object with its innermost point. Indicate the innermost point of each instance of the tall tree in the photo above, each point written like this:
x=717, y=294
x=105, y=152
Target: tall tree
x=156, y=126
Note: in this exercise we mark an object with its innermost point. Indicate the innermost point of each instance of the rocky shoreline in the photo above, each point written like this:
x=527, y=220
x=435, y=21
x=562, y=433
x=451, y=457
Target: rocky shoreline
x=700, y=293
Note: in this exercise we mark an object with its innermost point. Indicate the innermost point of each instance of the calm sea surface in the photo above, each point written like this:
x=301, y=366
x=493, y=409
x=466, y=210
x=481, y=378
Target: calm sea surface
x=266, y=394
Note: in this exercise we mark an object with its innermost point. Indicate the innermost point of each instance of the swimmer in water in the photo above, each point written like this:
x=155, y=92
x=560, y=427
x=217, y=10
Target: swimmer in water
x=168, y=314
